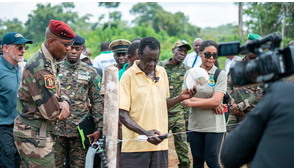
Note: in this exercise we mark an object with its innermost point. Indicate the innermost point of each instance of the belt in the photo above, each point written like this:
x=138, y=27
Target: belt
x=43, y=128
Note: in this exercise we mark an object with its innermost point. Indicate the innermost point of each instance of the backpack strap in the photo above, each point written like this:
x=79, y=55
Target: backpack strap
x=217, y=72
x=227, y=97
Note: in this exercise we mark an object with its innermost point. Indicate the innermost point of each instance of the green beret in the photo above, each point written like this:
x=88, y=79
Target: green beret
x=253, y=36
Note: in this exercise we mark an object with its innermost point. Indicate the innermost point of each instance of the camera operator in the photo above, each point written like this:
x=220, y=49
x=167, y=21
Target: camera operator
x=266, y=136
x=244, y=98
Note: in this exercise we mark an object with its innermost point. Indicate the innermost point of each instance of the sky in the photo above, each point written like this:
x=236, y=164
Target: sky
x=201, y=14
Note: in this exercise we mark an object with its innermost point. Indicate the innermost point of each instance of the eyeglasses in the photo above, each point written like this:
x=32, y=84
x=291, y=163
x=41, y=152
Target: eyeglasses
x=208, y=55
x=65, y=44
x=20, y=47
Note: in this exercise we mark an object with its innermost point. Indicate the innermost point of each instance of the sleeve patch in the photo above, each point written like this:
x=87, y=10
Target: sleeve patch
x=49, y=81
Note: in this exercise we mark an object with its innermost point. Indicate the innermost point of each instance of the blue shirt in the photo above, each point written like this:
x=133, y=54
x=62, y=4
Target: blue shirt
x=9, y=83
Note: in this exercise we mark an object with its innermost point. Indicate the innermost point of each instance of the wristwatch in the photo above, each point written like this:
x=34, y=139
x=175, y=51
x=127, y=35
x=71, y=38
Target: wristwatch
x=65, y=99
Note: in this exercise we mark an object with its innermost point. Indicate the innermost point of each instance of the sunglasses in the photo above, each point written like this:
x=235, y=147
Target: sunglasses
x=20, y=47
x=208, y=55
x=65, y=44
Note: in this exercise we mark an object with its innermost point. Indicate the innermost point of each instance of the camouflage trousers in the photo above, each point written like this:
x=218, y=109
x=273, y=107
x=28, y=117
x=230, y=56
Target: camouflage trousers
x=71, y=146
x=177, y=124
x=232, y=122
x=26, y=140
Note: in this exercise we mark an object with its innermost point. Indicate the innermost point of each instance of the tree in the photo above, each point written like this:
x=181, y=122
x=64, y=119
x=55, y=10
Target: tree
x=13, y=25
x=153, y=15
x=109, y=5
x=38, y=21
x=269, y=17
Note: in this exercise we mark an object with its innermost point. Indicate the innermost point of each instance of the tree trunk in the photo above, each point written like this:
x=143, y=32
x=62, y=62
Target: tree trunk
x=240, y=19
x=111, y=97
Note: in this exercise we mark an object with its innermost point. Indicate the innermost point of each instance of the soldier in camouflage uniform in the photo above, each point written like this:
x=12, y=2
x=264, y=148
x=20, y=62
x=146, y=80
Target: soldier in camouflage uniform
x=177, y=114
x=244, y=98
x=41, y=100
x=82, y=83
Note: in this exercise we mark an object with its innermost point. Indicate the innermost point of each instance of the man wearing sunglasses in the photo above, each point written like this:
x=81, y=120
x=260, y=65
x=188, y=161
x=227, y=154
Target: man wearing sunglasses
x=13, y=45
x=41, y=100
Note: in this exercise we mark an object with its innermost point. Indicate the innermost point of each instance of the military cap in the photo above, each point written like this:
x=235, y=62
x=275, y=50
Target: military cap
x=78, y=40
x=14, y=38
x=120, y=45
x=181, y=43
x=61, y=29
x=82, y=56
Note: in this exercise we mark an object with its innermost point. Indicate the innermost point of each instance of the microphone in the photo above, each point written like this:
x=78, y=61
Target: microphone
x=156, y=79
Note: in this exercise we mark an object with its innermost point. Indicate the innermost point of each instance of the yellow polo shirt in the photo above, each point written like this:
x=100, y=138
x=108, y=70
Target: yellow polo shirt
x=145, y=100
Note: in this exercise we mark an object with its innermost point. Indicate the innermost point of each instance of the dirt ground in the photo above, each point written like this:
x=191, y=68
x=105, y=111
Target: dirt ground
x=173, y=159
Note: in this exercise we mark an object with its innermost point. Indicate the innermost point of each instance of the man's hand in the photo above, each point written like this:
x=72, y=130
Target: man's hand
x=153, y=139
x=64, y=110
x=188, y=93
x=236, y=111
x=96, y=136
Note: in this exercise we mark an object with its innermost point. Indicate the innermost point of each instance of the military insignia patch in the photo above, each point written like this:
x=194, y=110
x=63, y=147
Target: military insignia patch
x=49, y=81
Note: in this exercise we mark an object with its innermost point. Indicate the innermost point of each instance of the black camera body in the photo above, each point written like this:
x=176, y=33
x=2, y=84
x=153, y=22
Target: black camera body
x=272, y=62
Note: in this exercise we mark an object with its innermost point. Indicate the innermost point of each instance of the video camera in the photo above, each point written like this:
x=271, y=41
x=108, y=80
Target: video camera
x=271, y=64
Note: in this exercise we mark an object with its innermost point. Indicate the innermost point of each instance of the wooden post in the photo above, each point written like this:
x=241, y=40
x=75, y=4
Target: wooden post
x=111, y=97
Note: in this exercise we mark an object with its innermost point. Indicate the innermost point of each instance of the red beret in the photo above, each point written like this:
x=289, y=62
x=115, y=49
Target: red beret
x=61, y=29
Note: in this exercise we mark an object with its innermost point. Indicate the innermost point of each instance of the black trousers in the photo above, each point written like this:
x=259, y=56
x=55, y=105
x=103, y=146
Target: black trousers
x=205, y=147
x=9, y=156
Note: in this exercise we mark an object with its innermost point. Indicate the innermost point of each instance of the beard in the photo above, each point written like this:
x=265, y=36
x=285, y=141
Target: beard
x=17, y=58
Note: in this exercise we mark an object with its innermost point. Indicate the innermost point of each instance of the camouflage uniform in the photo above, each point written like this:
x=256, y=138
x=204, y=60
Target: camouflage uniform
x=177, y=113
x=82, y=83
x=245, y=97
x=38, y=105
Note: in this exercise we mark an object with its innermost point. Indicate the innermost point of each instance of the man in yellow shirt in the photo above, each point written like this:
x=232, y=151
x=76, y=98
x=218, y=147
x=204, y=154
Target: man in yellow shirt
x=143, y=104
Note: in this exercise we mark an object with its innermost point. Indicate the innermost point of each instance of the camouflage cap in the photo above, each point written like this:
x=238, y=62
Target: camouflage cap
x=181, y=43
x=120, y=45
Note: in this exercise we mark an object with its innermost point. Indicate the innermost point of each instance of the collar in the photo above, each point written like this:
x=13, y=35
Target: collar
x=67, y=64
x=47, y=53
x=124, y=66
x=8, y=64
x=106, y=52
x=212, y=70
x=137, y=70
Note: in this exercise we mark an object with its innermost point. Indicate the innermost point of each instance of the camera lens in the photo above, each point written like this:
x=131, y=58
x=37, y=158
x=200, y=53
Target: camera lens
x=252, y=70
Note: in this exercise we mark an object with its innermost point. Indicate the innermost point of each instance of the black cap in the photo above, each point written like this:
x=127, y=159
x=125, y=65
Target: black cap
x=78, y=40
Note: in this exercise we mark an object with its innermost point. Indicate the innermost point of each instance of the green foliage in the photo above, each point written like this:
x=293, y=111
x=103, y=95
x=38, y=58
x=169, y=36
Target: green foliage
x=153, y=15
x=269, y=17
x=13, y=25
x=39, y=20
x=152, y=20
x=109, y=4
